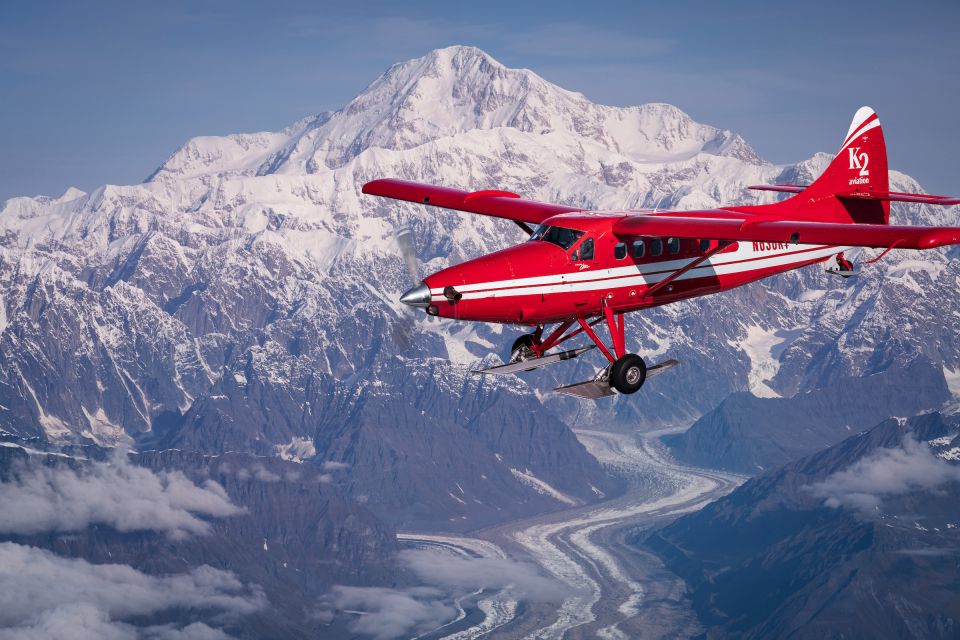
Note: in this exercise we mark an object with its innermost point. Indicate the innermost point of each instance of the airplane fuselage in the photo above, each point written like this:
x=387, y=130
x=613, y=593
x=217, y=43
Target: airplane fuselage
x=556, y=278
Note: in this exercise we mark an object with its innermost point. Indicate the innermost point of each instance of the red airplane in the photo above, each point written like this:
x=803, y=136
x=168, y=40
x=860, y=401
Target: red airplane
x=580, y=268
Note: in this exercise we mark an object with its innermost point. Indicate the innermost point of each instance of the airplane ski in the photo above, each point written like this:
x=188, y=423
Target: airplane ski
x=843, y=273
x=534, y=363
x=657, y=369
x=589, y=390
x=599, y=387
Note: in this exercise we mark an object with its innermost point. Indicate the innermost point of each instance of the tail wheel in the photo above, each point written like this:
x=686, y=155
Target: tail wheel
x=522, y=348
x=628, y=373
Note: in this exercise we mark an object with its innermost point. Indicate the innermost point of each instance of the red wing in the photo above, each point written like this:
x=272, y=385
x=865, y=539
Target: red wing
x=894, y=196
x=766, y=230
x=897, y=196
x=500, y=204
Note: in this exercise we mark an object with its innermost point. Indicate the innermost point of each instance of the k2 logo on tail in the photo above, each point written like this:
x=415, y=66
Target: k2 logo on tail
x=859, y=160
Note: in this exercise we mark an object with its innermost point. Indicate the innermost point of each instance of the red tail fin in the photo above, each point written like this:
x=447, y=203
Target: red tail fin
x=859, y=167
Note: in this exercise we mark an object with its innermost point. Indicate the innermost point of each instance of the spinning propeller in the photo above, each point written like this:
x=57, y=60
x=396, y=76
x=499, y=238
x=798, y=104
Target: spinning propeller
x=404, y=329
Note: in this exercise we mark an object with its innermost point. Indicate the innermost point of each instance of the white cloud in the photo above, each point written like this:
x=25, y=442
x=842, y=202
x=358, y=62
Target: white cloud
x=116, y=493
x=86, y=622
x=263, y=474
x=259, y=472
x=885, y=472
x=468, y=574
x=394, y=613
x=43, y=595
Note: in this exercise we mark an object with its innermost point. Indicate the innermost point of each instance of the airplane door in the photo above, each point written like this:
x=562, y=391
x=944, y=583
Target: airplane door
x=583, y=258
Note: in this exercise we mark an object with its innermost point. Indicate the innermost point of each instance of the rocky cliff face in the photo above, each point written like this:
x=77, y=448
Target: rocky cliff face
x=857, y=540
x=748, y=434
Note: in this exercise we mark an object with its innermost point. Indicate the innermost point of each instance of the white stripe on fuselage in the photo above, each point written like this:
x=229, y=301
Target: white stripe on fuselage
x=645, y=274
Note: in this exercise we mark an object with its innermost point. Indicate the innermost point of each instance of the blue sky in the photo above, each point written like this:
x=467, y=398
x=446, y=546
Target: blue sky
x=103, y=92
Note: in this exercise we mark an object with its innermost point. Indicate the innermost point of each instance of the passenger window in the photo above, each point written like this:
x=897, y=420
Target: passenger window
x=586, y=249
x=656, y=247
x=673, y=245
x=639, y=248
x=620, y=250
x=704, y=246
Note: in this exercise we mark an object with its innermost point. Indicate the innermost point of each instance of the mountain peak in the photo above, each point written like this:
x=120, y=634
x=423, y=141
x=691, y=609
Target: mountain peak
x=461, y=56
x=446, y=93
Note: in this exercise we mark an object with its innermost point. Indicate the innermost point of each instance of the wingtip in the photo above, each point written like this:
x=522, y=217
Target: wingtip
x=368, y=187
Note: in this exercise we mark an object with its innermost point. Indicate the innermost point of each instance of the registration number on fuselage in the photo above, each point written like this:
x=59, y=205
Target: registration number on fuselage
x=770, y=246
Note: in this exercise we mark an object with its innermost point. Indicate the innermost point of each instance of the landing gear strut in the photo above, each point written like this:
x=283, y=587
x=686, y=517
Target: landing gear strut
x=527, y=346
x=626, y=373
x=842, y=267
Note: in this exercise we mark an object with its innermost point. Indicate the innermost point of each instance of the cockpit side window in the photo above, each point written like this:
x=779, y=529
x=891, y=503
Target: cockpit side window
x=563, y=238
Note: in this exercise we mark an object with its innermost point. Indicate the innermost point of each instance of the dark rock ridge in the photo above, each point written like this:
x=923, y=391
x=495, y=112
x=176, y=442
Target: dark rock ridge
x=747, y=434
x=771, y=560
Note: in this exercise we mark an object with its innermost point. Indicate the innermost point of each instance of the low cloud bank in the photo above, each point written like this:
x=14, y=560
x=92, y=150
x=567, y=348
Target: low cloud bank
x=394, y=613
x=465, y=573
x=43, y=595
x=115, y=493
x=884, y=473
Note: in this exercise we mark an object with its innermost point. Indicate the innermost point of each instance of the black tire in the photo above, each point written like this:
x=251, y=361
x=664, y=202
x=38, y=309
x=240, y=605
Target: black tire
x=628, y=373
x=525, y=340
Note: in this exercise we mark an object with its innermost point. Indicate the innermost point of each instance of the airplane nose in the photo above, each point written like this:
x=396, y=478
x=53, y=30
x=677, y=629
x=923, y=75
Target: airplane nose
x=419, y=296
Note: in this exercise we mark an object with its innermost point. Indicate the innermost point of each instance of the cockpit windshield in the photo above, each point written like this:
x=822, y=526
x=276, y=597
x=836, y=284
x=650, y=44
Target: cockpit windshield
x=563, y=238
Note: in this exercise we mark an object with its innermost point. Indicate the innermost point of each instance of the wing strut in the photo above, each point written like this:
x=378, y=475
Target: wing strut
x=721, y=245
x=523, y=225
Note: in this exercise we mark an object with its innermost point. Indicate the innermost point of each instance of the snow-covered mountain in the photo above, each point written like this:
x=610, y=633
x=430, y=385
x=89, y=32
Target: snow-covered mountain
x=244, y=296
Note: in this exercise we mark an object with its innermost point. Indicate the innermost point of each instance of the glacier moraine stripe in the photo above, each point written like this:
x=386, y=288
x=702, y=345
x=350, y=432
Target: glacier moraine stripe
x=631, y=276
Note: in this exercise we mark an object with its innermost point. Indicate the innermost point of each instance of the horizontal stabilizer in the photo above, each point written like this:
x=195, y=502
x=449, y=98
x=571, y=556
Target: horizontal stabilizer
x=534, y=363
x=786, y=188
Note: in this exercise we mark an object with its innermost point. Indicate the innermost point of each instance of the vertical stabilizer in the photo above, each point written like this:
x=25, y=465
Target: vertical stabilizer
x=859, y=166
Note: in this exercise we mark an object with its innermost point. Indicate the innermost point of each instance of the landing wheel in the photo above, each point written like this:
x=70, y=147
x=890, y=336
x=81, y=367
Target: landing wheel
x=522, y=348
x=628, y=373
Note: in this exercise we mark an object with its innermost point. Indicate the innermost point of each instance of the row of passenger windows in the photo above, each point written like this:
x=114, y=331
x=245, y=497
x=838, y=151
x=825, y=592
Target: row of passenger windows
x=638, y=248
x=642, y=247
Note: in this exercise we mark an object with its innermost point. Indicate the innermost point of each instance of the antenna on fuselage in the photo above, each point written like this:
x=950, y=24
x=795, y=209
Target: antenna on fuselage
x=657, y=206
